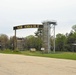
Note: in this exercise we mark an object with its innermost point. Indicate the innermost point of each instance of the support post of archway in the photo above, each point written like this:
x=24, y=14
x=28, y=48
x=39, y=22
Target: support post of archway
x=15, y=41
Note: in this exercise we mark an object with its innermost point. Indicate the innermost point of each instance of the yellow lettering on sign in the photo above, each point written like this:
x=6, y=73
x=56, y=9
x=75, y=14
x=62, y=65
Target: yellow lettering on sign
x=34, y=26
x=25, y=26
x=31, y=26
x=19, y=27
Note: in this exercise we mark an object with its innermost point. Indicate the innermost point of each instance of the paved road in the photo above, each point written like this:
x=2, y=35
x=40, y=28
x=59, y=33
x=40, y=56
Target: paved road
x=30, y=65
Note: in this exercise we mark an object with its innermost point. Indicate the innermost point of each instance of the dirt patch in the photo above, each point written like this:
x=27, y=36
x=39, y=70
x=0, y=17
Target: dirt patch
x=29, y=65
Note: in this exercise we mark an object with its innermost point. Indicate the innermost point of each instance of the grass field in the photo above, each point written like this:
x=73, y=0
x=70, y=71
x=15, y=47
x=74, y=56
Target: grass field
x=60, y=55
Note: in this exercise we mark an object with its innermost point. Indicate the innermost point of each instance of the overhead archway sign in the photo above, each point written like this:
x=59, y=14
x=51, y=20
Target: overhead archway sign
x=28, y=26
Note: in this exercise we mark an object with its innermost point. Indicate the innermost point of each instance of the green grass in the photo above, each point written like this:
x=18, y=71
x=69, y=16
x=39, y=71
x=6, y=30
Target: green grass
x=8, y=51
x=60, y=55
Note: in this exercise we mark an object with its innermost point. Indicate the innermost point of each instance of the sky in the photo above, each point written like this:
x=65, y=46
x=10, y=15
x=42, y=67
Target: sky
x=21, y=12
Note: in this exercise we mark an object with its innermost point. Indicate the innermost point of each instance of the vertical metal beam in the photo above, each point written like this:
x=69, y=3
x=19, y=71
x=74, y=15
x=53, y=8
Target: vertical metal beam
x=49, y=38
x=54, y=39
x=15, y=41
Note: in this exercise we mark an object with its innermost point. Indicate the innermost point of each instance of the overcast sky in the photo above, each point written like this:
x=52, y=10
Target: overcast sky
x=19, y=12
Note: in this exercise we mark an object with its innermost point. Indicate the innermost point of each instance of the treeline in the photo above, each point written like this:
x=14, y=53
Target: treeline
x=65, y=42
x=27, y=43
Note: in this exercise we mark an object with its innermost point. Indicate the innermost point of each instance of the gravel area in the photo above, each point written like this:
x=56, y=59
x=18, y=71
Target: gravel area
x=12, y=64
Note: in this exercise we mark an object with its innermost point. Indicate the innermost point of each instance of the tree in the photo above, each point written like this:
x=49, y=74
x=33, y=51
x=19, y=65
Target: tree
x=11, y=42
x=4, y=41
x=33, y=42
x=71, y=39
x=39, y=32
x=60, y=42
x=74, y=28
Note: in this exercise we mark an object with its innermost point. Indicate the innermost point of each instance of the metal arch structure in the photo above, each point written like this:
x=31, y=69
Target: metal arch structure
x=22, y=27
x=28, y=26
x=46, y=33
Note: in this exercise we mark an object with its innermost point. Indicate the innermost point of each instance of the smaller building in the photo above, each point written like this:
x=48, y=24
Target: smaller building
x=20, y=43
